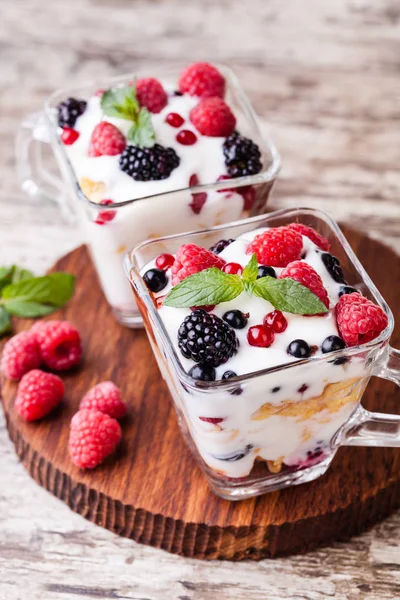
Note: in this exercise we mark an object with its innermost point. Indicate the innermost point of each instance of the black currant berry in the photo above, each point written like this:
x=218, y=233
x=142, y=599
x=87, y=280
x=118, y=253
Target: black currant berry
x=235, y=318
x=299, y=349
x=155, y=279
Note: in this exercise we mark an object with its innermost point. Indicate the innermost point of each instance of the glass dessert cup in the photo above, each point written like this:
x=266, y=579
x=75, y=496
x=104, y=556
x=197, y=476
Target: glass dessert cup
x=132, y=221
x=246, y=442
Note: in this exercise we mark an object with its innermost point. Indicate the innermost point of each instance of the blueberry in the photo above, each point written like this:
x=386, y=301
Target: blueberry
x=155, y=279
x=332, y=343
x=237, y=390
x=347, y=289
x=299, y=349
x=221, y=245
x=203, y=372
x=333, y=267
x=235, y=318
x=238, y=455
x=264, y=271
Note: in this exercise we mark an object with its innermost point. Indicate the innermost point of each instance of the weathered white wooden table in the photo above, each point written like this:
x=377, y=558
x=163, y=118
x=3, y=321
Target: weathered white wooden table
x=325, y=78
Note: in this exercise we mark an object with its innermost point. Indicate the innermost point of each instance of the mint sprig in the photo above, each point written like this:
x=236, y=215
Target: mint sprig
x=122, y=103
x=213, y=286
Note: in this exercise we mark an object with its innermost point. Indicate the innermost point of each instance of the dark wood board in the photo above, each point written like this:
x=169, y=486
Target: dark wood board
x=152, y=491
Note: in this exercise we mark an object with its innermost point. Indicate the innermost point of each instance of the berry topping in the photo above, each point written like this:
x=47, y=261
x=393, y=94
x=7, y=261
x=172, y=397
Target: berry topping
x=38, y=393
x=237, y=390
x=155, y=279
x=174, y=119
x=277, y=246
x=242, y=156
x=198, y=198
x=69, y=111
x=213, y=118
x=233, y=269
x=303, y=388
x=151, y=94
x=20, y=354
x=191, y=259
x=186, y=137
x=164, y=261
x=69, y=136
x=213, y=420
x=202, y=79
x=347, y=289
x=203, y=372
x=205, y=338
x=265, y=272
x=59, y=343
x=106, y=140
x=332, y=343
x=299, y=349
x=276, y=321
x=105, y=216
x=248, y=193
x=207, y=308
x=260, y=336
x=148, y=164
x=238, y=455
x=105, y=397
x=358, y=319
x=313, y=235
x=221, y=245
x=236, y=319
x=305, y=274
x=93, y=436
x=333, y=267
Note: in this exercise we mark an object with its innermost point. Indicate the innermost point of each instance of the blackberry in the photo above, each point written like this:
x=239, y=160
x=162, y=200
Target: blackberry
x=264, y=271
x=69, y=111
x=333, y=267
x=205, y=338
x=242, y=156
x=148, y=164
x=221, y=245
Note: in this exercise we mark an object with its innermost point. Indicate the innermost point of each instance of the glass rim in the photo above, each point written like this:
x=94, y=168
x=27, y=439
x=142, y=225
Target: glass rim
x=131, y=267
x=266, y=175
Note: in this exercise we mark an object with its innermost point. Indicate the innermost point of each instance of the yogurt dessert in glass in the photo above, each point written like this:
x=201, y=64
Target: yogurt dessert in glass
x=266, y=332
x=150, y=155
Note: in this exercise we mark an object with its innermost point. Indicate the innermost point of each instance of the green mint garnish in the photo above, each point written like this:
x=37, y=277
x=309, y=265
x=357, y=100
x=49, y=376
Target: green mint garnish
x=122, y=103
x=213, y=286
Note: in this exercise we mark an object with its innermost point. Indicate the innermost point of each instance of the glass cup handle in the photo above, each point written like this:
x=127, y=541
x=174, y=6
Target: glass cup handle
x=377, y=429
x=35, y=179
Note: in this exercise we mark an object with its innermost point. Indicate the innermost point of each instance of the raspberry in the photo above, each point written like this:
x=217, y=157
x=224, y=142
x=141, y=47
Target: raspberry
x=191, y=259
x=151, y=94
x=214, y=118
x=106, y=140
x=148, y=164
x=92, y=437
x=69, y=111
x=242, y=157
x=305, y=274
x=20, y=354
x=276, y=247
x=205, y=338
x=38, y=393
x=105, y=397
x=312, y=235
x=203, y=80
x=358, y=319
x=59, y=343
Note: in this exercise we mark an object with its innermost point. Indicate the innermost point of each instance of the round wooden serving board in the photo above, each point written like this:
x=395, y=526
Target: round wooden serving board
x=152, y=491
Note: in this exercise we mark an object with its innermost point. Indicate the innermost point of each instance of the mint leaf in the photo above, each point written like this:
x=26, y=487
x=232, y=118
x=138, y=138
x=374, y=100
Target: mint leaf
x=288, y=295
x=210, y=286
x=54, y=289
x=142, y=133
x=21, y=308
x=19, y=274
x=120, y=102
x=6, y=274
x=250, y=271
x=5, y=321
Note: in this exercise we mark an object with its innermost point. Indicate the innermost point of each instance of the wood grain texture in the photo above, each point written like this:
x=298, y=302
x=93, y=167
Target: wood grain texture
x=153, y=492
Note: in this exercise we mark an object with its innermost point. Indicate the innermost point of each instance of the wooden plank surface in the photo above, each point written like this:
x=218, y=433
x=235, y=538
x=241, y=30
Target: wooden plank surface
x=324, y=76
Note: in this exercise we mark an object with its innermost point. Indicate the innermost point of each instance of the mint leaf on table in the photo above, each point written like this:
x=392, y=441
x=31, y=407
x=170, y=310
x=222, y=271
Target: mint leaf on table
x=27, y=309
x=210, y=286
x=54, y=289
x=288, y=295
x=19, y=274
x=5, y=321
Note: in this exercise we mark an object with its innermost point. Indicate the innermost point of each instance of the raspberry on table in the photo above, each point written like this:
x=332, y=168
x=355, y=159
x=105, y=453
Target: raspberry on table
x=242, y=156
x=148, y=164
x=105, y=397
x=192, y=259
x=93, y=436
x=69, y=111
x=205, y=338
x=213, y=117
x=276, y=247
x=312, y=235
x=59, y=343
x=151, y=94
x=20, y=354
x=38, y=394
x=106, y=140
x=358, y=319
x=306, y=275
x=203, y=80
